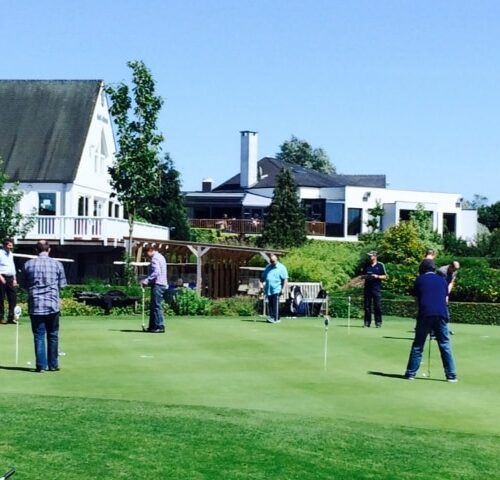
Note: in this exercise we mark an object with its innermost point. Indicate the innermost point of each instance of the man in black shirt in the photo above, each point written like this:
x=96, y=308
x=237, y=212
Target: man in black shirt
x=373, y=273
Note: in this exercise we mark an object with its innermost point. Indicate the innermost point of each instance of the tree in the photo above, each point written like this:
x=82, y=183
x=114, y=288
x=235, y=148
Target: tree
x=489, y=216
x=376, y=213
x=474, y=204
x=401, y=244
x=422, y=219
x=169, y=204
x=300, y=152
x=12, y=223
x=284, y=226
x=135, y=174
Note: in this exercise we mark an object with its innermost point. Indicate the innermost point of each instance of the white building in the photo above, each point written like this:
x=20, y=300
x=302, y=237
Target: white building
x=56, y=140
x=336, y=205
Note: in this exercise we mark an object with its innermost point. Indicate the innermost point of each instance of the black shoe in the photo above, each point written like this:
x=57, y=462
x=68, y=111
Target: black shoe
x=378, y=325
x=3, y=322
x=40, y=370
x=13, y=322
x=54, y=369
x=366, y=325
x=158, y=330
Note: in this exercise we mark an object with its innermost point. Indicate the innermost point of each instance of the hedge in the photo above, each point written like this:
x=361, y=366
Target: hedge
x=460, y=312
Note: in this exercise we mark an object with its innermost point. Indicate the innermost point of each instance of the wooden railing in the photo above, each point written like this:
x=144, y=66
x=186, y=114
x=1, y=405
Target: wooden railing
x=237, y=225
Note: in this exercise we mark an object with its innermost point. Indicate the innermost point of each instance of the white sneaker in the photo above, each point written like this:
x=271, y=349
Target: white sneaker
x=452, y=380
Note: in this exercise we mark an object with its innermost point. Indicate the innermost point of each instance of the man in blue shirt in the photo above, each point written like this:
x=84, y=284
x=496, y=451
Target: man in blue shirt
x=43, y=278
x=373, y=273
x=157, y=279
x=431, y=291
x=275, y=280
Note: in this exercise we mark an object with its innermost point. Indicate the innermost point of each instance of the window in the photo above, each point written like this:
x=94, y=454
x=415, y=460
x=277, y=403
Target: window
x=449, y=223
x=110, y=209
x=354, y=221
x=46, y=203
x=83, y=206
x=117, y=210
x=334, y=219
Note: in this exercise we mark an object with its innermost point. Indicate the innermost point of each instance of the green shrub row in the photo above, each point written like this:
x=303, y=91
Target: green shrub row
x=460, y=312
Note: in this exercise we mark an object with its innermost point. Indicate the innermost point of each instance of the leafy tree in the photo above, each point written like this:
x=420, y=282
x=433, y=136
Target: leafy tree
x=474, y=204
x=169, y=209
x=376, y=213
x=422, y=220
x=301, y=153
x=12, y=223
x=285, y=223
x=489, y=215
x=135, y=174
x=402, y=244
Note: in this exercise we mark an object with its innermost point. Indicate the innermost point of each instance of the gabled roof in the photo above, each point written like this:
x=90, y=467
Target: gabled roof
x=269, y=168
x=43, y=127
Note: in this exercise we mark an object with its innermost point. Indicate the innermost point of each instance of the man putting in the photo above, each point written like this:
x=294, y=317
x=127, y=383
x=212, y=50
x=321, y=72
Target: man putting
x=431, y=291
x=157, y=280
x=275, y=280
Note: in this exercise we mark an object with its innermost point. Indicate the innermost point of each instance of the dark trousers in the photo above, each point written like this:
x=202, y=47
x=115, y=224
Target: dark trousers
x=8, y=290
x=372, y=295
x=274, y=306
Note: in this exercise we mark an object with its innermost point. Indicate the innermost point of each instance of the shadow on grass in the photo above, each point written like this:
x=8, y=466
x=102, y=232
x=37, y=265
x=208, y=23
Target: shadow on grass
x=349, y=326
x=127, y=330
x=399, y=338
x=402, y=377
x=20, y=369
x=253, y=320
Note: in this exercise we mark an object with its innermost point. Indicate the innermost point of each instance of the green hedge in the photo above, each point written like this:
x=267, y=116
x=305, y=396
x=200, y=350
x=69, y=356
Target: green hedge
x=460, y=312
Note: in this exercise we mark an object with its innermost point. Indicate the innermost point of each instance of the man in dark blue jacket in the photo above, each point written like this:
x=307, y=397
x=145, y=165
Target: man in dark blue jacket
x=431, y=291
x=373, y=273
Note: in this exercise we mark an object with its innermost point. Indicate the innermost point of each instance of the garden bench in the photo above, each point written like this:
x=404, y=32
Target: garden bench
x=313, y=294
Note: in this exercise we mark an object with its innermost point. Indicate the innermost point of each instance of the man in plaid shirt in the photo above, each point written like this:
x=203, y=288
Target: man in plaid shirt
x=43, y=278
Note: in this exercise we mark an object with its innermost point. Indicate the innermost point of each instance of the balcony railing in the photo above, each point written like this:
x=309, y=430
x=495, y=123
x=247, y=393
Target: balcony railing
x=92, y=228
x=249, y=226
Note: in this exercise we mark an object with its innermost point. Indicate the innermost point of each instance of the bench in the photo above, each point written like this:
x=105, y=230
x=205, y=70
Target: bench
x=313, y=294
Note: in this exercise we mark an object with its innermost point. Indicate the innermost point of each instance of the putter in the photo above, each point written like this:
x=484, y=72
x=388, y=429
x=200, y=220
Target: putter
x=17, y=314
x=429, y=358
x=349, y=316
x=8, y=474
x=142, y=311
x=327, y=321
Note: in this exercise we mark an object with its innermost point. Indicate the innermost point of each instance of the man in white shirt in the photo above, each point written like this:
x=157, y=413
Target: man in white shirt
x=8, y=281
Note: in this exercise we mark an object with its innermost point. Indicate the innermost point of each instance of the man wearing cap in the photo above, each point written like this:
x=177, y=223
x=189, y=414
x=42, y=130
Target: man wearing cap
x=373, y=273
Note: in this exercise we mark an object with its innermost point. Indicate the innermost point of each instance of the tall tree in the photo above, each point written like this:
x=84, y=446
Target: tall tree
x=284, y=226
x=169, y=204
x=489, y=215
x=135, y=174
x=302, y=153
x=12, y=223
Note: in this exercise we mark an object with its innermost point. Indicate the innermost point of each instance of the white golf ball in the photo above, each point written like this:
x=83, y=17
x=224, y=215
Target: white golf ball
x=28, y=363
x=424, y=375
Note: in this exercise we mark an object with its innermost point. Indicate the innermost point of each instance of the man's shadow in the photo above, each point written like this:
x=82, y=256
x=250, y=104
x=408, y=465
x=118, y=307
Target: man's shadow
x=402, y=377
x=20, y=369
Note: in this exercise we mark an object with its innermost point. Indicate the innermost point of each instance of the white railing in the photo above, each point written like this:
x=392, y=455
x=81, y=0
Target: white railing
x=92, y=228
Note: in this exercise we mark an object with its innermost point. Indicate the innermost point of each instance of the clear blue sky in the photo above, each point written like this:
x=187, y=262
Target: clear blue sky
x=410, y=89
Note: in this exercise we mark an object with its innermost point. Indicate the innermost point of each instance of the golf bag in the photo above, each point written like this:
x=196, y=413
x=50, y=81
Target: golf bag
x=297, y=306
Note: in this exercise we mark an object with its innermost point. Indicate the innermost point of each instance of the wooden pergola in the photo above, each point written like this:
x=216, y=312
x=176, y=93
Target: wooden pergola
x=217, y=265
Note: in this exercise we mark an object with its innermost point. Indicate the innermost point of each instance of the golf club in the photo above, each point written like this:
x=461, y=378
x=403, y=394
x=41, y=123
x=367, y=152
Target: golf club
x=8, y=474
x=327, y=322
x=142, y=311
x=429, y=357
x=17, y=314
x=348, y=315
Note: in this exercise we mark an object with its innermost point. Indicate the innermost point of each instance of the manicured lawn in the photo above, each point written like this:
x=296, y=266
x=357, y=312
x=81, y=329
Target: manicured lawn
x=219, y=398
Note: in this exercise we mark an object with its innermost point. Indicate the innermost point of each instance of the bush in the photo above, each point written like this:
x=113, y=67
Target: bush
x=241, y=306
x=188, y=302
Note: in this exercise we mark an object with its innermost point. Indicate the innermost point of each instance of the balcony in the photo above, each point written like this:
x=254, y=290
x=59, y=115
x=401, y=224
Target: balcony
x=253, y=226
x=106, y=230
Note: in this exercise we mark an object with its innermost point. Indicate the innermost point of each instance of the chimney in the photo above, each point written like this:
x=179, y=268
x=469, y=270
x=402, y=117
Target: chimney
x=206, y=185
x=248, y=169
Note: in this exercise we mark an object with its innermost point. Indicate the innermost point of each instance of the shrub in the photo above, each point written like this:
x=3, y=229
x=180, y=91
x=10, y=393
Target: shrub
x=242, y=306
x=188, y=302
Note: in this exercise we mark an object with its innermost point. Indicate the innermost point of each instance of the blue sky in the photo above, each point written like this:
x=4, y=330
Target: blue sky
x=410, y=89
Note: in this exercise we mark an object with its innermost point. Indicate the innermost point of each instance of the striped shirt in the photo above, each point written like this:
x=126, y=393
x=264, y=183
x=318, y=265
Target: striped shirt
x=157, y=270
x=43, y=278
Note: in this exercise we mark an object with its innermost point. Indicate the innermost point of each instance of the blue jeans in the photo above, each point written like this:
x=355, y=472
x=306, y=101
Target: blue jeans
x=156, y=320
x=440, y=327
x=46, y=326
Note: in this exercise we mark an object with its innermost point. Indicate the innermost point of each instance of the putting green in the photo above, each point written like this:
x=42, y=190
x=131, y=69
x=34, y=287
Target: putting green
x=240, y=363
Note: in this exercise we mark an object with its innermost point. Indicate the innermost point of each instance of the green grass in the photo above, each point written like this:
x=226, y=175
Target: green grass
x=219, y=398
